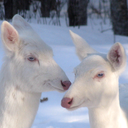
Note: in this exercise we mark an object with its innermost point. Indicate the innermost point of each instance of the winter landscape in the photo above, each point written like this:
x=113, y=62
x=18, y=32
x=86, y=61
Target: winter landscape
x=50, y=113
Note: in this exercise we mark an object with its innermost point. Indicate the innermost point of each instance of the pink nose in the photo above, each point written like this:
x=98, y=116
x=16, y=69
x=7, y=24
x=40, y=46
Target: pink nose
x=66, y=102
x=65, y=84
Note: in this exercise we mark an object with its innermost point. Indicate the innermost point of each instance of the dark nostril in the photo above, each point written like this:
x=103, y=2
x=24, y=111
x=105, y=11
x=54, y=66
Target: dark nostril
x=66, y=84
x=63, y=84
x=70, y=102
x=66, y=102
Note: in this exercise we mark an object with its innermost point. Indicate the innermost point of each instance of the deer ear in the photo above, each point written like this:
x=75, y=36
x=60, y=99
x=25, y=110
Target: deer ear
x=10, y=36
x=82, y=47
x=19, y=23
x=117, y=57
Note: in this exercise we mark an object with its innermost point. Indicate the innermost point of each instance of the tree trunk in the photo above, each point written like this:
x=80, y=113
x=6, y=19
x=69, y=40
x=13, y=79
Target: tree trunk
x=77, y=12
x=8, y=6
x=14, y=7
x=119, y=17
x=47, y=6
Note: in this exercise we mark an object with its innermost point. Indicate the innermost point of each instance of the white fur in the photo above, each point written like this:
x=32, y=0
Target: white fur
x=100, y=95
x=22, y=81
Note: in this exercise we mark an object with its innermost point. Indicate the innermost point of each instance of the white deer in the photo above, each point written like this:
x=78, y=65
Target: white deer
x=96, y=85
x=28, y=70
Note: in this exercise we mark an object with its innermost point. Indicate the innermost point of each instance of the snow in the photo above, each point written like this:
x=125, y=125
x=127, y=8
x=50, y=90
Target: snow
x=50, y=113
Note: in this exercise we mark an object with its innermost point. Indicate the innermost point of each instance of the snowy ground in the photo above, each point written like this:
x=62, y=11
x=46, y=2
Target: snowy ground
x=50, y=113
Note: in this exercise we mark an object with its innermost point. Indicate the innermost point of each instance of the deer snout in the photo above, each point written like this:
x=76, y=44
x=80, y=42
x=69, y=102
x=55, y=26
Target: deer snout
x=66, y=84
x=66, y=102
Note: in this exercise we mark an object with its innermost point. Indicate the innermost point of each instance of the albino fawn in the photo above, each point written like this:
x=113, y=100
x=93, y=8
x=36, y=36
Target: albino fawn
x=96, y=85
x=27, y=71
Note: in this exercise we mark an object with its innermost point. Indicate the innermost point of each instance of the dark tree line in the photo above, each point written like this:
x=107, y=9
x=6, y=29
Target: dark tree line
x=119, y=16
x=77, y=11
x=13, y=6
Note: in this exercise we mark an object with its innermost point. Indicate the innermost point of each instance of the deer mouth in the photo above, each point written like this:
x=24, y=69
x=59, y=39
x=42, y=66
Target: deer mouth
x=52, y=85
x=76, y=106
x=83, y=103
x=57, y=88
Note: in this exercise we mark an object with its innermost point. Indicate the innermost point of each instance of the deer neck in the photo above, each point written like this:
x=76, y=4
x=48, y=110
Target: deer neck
x=17, y=108
x=110, y=116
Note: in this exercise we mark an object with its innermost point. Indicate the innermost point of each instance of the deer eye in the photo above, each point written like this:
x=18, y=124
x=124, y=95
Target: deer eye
x=100, y=75
x=31, y=58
